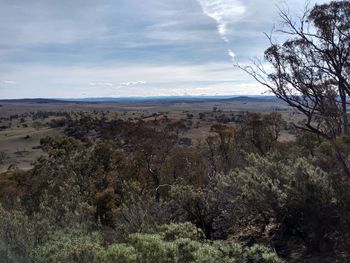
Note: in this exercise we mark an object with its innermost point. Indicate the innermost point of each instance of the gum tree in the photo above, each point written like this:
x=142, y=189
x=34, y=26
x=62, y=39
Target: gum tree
x=310, y=69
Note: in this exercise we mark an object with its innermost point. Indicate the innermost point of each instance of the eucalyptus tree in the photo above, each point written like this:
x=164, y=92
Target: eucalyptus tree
x=310, y=69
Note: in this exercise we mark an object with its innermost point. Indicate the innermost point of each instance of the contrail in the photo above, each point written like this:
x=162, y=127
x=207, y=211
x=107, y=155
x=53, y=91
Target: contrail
x=225, y=13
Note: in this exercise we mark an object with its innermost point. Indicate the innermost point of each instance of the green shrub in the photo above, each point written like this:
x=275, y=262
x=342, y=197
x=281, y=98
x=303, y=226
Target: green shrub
x=70, y=247
x=16, y=237
x=121, y=253
x=298, y=195
x=156, y=248
x=152, y=248
x=260, y=254
x=208, y=254
x=182, y=230
x=186, y=249
x=173, y=243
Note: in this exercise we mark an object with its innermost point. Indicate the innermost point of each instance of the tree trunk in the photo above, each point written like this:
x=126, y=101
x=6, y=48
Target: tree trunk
x=345, y=126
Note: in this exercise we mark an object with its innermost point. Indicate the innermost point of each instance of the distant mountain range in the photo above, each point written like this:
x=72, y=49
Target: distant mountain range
x=160, y=99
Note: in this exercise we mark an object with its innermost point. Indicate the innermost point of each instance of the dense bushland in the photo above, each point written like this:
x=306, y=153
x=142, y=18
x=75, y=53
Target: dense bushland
x=131, y=192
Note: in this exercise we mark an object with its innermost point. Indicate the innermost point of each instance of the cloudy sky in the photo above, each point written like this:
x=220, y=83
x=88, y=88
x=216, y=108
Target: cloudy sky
x=114, y=48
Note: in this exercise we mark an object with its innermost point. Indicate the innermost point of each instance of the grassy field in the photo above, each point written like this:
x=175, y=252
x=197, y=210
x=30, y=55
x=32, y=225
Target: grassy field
x=20, y=145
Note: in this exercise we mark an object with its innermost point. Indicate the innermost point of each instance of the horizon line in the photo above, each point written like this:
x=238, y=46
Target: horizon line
x=140, y=97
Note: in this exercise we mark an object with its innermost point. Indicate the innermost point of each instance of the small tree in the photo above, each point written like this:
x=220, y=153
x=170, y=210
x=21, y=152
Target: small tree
x=261, y=130
x=221, y=146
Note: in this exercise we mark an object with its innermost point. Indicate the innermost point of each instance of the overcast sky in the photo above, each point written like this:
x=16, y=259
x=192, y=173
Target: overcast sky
x=99, y=48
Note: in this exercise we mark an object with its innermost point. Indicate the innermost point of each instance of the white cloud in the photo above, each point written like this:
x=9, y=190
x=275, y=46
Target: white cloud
x=231, y=54
x=9, y=82
x=224, y=12
x=132, y=83
x=108, y=84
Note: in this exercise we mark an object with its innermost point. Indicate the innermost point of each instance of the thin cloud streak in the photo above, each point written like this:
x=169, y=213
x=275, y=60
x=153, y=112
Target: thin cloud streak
x=224, y=12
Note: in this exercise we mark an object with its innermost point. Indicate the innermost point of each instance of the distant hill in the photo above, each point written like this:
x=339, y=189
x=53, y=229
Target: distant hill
x=36, y=101
x=253, y=99
x=170, y=99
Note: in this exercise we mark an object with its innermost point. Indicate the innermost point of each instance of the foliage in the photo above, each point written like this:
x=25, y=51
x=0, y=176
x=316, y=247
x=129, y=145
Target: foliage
x=17, y=238
x=127, y=198
x=69, y=246
x=308, y=141
x=122, y=253
x=298, y=195
x=168, y=243
x=261, y=131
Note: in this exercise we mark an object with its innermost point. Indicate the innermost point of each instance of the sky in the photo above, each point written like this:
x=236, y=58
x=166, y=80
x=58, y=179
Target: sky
x=122, y=48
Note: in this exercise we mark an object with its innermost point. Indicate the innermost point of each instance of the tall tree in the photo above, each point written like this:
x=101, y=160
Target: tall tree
x=310, y=70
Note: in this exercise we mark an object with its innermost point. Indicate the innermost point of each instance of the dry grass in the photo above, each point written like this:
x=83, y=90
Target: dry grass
x=19, y=145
